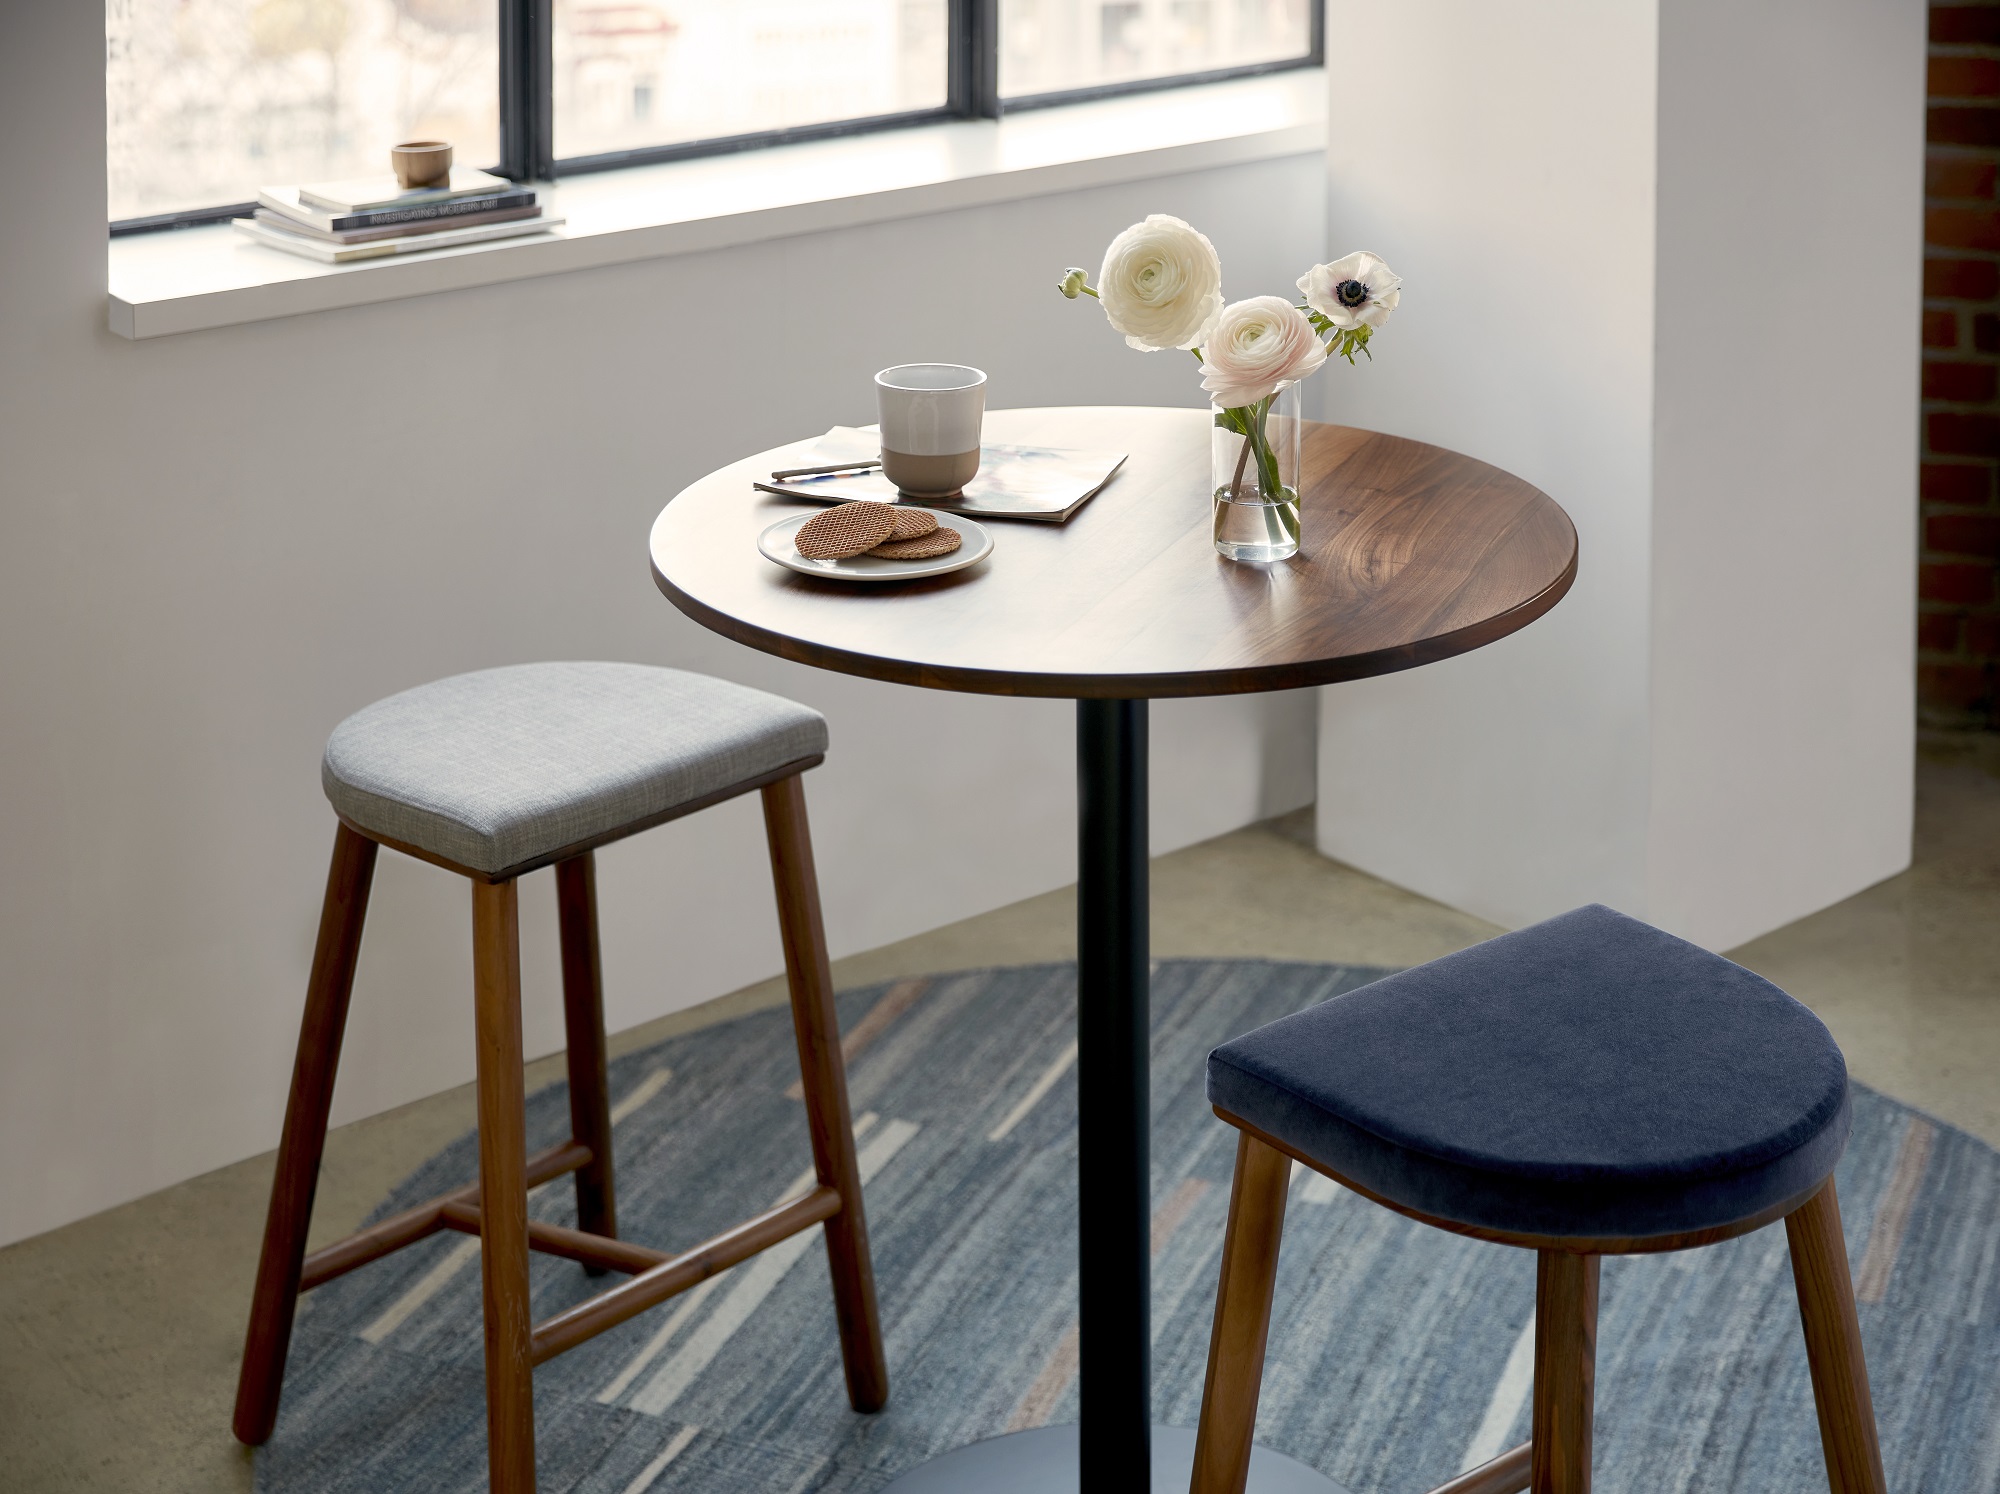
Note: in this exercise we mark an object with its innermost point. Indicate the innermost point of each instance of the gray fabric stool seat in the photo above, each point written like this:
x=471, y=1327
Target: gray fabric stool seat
x=1590, y=1086
x=492, y=775
x=504, y=770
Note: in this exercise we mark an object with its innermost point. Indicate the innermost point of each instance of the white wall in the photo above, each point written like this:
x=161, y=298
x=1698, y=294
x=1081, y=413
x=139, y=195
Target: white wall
x=217, y=544
x=1636, y=239
x=1785, y=459
x=1500, y=158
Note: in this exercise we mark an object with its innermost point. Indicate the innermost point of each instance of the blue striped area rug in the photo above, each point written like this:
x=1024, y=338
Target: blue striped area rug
x=1399, y=1354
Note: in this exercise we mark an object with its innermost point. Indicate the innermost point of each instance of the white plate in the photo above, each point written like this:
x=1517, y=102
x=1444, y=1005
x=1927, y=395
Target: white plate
x=776, y=544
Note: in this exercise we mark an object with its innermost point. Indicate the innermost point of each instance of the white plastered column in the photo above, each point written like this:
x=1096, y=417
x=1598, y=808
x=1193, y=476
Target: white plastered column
x=1635, y=239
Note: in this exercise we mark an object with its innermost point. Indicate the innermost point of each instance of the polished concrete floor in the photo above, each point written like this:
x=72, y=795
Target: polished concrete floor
x=1907, y=974
x=119, y=1334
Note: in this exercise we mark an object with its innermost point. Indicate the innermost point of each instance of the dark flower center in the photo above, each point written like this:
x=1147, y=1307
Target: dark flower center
x=1350, y=293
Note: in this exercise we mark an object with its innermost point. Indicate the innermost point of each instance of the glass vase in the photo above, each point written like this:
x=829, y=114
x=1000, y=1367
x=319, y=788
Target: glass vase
x=1254, y=459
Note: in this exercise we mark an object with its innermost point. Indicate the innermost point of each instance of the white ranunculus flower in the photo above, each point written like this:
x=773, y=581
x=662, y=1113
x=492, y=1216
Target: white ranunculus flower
x=1161, y=284
x=1256, y=348
x=1358, y=291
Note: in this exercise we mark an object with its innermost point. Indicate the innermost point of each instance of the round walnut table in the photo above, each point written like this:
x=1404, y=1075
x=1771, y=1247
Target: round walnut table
x=1408, y=554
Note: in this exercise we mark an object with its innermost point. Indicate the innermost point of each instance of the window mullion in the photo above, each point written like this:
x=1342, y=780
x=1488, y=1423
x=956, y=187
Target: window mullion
x=527, y=90
x=974, y=88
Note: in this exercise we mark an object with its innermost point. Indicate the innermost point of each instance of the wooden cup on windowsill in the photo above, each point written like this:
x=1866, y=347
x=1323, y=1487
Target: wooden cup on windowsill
x=421, y=163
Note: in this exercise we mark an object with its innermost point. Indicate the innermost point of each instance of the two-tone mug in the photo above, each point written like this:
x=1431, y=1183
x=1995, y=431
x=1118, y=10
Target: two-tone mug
x=931, y=414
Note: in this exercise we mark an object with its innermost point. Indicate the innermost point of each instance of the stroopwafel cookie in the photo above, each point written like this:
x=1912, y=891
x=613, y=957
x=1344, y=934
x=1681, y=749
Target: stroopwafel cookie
x=845, y=529
x=939, y=541
x=913, y=523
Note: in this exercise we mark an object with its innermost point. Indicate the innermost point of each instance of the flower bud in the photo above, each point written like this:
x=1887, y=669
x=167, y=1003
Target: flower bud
x=1072, y=282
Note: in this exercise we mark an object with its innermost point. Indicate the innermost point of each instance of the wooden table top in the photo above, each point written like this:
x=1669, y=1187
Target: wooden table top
x=1409, y=553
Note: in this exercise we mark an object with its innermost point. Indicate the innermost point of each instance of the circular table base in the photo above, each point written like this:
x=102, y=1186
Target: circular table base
x=1043, y=1461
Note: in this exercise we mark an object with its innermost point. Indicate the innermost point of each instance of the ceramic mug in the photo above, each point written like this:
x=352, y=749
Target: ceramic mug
x=931, y=414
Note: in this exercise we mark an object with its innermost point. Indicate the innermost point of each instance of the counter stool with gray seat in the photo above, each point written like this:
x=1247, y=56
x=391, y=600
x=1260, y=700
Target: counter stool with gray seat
x=492, y=775
x=1590, y=1086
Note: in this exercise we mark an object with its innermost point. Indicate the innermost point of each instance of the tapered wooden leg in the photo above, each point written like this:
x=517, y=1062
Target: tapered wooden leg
x=583, y=1018
x=503, y=1188
x=1242, y=1318
x=332, y=981
x=824, y=1077
x=1565, y=1372
x=1833, y=1346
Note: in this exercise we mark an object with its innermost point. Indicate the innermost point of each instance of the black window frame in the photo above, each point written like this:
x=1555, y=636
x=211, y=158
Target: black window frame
x=527, y=101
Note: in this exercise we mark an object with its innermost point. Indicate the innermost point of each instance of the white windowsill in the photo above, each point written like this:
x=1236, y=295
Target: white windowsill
x=194, y=278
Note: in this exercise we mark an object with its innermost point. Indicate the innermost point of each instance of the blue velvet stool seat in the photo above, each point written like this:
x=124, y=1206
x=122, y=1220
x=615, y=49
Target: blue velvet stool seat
x=1585, y=1087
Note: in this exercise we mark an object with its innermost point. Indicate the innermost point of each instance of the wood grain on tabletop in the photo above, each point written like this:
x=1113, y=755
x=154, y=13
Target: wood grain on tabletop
x=1409, y=553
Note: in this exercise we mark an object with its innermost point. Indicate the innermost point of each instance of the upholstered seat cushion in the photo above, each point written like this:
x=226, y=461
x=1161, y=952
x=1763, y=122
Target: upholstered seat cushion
x=500, y=769
x=1591, y=1076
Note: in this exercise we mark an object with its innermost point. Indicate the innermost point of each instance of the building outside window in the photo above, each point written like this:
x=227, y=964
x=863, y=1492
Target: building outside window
x=210, y=99
x=665, y=72
x=1049, y=46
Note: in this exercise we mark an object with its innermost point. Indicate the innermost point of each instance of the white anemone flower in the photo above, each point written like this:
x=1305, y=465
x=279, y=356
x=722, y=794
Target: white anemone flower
x=1161, y=284
x=1358, y=291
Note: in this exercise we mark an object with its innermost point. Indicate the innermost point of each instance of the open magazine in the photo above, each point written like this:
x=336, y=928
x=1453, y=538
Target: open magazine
x=1014, y=482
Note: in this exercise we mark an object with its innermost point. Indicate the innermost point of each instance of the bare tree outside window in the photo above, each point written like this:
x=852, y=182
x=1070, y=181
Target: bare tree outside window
x=208, y=100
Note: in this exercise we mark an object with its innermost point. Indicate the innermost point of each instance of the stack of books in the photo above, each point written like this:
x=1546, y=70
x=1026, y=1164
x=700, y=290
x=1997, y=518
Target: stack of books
x=334, y=222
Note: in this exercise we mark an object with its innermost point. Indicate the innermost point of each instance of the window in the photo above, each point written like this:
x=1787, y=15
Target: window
x=635, y=75
x=207, y=100
x=210, y=99
x=1063, y=47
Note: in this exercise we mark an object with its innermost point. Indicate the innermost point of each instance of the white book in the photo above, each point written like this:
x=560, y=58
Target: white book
x=368, y=194
x=339, y=254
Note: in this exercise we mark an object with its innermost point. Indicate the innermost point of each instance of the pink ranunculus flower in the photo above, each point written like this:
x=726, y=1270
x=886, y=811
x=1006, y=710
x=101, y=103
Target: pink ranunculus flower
x=1256, y=348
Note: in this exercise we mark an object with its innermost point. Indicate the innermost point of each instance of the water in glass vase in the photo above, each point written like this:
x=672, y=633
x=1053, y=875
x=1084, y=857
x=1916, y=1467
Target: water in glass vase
x=1254, y=462
x=1256, y=528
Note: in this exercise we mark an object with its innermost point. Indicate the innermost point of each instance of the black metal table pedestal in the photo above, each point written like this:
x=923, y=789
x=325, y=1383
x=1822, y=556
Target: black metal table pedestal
x=1114, y=1120
x=1116, y=1447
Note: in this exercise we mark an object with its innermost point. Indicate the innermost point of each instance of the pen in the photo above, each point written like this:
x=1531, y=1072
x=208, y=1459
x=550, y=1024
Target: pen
x=838, y=469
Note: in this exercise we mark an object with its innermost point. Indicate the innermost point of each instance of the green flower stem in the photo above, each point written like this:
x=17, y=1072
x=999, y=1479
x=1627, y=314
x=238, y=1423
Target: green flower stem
x=1250, y=421
x=1267, y=458
x=1242, y=461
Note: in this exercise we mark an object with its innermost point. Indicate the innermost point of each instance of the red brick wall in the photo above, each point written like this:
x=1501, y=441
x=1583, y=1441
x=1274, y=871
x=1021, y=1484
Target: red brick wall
x=1958, y=608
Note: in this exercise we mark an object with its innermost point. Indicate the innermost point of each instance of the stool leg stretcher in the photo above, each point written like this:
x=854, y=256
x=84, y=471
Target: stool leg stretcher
x=1506, y=1474
x=426, y=1219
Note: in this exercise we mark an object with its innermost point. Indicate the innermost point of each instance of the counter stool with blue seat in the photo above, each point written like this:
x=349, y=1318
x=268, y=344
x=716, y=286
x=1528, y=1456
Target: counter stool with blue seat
x=1590, y=1086
x=493, y=775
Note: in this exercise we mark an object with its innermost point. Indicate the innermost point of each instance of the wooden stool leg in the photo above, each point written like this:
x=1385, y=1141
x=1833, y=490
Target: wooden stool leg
x=503, y=1187
x=824, y=1077
x=583, y=1019
x=1833, y=1346
x=276, y=1295
x=1565, y=1372
x=1242, y=1318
